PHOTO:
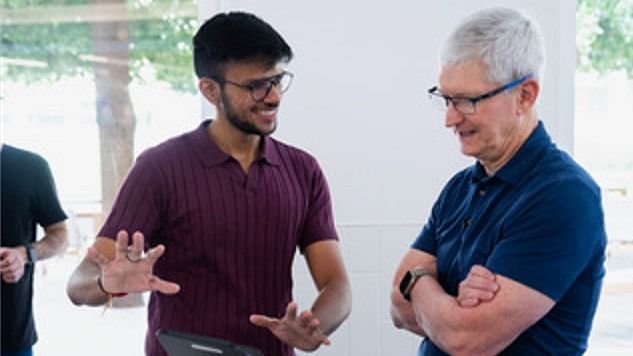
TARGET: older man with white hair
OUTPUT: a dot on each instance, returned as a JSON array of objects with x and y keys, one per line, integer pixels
[{"x": 511, "y": 258}]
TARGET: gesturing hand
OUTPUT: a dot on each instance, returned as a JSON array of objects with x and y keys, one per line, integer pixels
[
  {"x": 479, "y": 286},
  {"x": 129, "y": 271},
  {"x": 301, "y": 331}
]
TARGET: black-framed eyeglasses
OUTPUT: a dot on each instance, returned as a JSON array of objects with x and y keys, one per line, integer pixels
[
  {"x": 466, "y": 105},
  {"x": 260, "y": 88}
]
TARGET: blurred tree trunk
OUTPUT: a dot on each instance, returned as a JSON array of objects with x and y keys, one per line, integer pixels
[{"x": 115, "y": 114}]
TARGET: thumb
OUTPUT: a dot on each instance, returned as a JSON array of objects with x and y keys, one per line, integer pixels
[
  {"x": 469, "y": 302},
  {"x": 262, "y": 320}
]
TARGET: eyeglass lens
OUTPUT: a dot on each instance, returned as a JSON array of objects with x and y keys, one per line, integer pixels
[
  {"x": 261, "y": 88},
  {"x": 464, "y": 106}
]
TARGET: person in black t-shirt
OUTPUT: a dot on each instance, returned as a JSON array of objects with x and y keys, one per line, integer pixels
[{"x": 28, "y": 198}]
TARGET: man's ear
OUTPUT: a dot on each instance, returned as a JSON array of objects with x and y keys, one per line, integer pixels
[
  {"x": 528, "y": 92},
  {"x": 210, "y": 89}
]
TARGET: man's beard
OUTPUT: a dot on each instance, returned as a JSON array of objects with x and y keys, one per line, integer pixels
[{"x": 241, "y": 123}]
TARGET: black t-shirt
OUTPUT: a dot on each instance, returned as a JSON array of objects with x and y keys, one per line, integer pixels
[{"x": 28, "y": 198}]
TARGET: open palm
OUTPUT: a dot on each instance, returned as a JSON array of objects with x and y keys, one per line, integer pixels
[
  {"x": 130, "y": 271},
  {"x": 302, "y": 331}
]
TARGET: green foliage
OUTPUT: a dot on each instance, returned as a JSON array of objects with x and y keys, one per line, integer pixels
[
  {"x": 160, "y": 46},
  {"x": 605, "y": 35}
]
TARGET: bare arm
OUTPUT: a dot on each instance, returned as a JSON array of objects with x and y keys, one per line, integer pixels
[
  {"x": 82, "y": 287},
  {"x": 485, "y": 329},
  {"x": 12, "y": 259},
  {"x": 334, "y": 302},
  {"x": 308, "y": 330},
  {"x": 122, "y": 269},
  {"x": 54, "y": 241},
  {"x": 402, "y": 313}
]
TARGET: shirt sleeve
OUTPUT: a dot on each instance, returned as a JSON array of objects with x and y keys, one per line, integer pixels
[
  {"x": 48, "y": 209},
  {"x": 137, "y": 206},
  {"x": 319, "y": 222},
  {"x": 553, "y": 236},
  {"x": 427, "y": 239}
]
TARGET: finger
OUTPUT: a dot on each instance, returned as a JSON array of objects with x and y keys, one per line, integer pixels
[
  {"x": 97, "y": 257},
  {"x": 468, "y": 302},
  {"x": 163, "y": 286},
  {"x": 291, "y": 311},
  {"x": 14, "y": 267},
  {"x": 313, "y": 326},
  {"x": 477, "y": 287},
  {"x": 9, "y": 259},
  {"x": 314, "y": 323},
  {"x": 14, "y": 275},
  {"x": 482, "y": 271},
  {"x": 121, "y": 244},
  {"x": 136, "y": 249},
  {"x": 7, "y": 264},
  {"x": 154, "y": 254},
  {"x": 480, "y": 283},
  {"x": 306, "y": 317},
  {"x": 263, "y": 321},
  {"x": 480, "y": 295}
]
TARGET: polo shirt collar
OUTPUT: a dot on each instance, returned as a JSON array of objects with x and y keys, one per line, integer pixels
[
  {"x": 526, "y": 157},
  {"x": 211, "y": 155},
  {"x": 268, "y": 151}
]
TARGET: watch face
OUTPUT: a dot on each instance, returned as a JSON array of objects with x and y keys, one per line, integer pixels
[
  {"x": 409, "y": 279},
  {"x": 404, "y": 283}
]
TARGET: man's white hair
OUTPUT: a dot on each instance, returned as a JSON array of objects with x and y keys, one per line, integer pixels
[{"x": 506, "y": 41}]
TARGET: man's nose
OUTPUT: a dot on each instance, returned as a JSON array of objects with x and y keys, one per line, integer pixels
[
  {"x": 452, "y": 116},
  {"x": 273, "y": 96}
]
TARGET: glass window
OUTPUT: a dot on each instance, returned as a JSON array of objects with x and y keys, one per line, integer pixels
[
  {"x": 603, "y": 112},
  {"x": 89, "y": 85}
]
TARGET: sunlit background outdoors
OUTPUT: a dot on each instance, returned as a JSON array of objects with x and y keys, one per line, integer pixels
[{"x": 56, "y": 116}]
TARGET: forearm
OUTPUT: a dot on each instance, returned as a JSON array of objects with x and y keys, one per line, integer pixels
[
  {"x": 333, "y": 306},
  {"x": 402, "y": 314},
  {"x": 83, "y": 289},
  {"x": 54, "y": 241},
  {"x": 456, "y": 330}
]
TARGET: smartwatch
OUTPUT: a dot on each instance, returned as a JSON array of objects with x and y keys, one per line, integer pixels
[
  {"x": 409, "y": 279},
  {"x": 31, "y": 253}
]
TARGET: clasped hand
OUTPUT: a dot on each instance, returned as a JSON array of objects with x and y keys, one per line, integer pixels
[
  {"x": 130, "y": 271},
  {"x": 479, "y": 286},
  {"x": 11, "y": 264}
]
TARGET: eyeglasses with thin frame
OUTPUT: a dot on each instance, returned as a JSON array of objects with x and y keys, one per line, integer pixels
[
  {"x": 260, "y": 88},
  {"x": 468, "y": 105}
]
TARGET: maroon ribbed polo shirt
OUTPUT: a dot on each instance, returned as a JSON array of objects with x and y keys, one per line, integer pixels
[{"x": 230, "y": 237}]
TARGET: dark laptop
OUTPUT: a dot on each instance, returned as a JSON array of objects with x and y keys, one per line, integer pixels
[{"x": 183, "y": 344}]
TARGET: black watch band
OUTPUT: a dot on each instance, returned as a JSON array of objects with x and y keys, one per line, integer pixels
[{"x": 410, "y": 278}]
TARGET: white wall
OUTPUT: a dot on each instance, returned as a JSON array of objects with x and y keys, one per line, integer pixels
[{"x": 358, "y": 104}]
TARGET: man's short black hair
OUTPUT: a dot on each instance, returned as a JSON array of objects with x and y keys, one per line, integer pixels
[{"x": 238, "y": 37}]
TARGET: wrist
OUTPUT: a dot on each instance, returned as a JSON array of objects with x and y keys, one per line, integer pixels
[
  {"x": 23, "y": 253},
  {"x": 410, "y": 279},
  {"x": 31, "y": 253}
]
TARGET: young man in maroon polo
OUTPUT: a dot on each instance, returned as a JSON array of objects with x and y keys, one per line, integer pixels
[{"x": 221, "y": 210}]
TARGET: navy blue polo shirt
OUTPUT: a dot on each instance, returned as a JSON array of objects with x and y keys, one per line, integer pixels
[{"x": 537, "y": 221}]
